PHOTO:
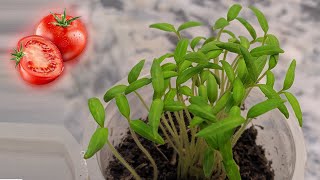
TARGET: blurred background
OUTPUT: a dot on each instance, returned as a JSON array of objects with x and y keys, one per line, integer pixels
[{"x": 119, "y": 37}]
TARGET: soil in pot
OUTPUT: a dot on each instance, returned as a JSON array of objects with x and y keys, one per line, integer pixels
[{"x": 249, "y": 156}]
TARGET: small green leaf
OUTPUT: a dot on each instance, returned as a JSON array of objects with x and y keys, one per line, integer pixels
[
  {"x": 266, "y": 50},
  {"x": 202, "y": 90},
  {"x": 213, "y": 66},
  {"x": 204, "y": 76},
  {"x": 137, "y": 85},
  {"x": 261, "y": 18},
  {"x": 210, "y": 46},
  {"x": 248, "y": 26},
  {"x": 184, "y": 65},
  {"x": 169, "y": 74},
  {"x": 145, "y": 131},
  {"x": 135, "y": 72},
  {"x": 222, "y": 102},
  {"x": 181, "y": 50},
  {"x": 272, "y": 40},
  {"x": 164, "y": 27},
  {"x": 155, "y": 115},
  {"x": 214, "y": 54},
  {"x": 233, "y": 12},
  {"x": 264, "y": 107},
  {"x": 173, "y": 106},
  {"x": 185, "y": 90},
  {"x": 198, "y": 100},
  {"x": 163, "y": 57},
  {"x": 210, "y": 39},
  {"x": 230, "y": 33},
  {"x": 244, "y": 42},
  {"x": 123, "y": 105},
  {"x": 97, "y": 111},
  {"x": 270, "y": 79},
  {"x": 195, "y": 41},
  {"x": 270, "y": 93},
  {"x": 188, "y": 74},
  {"x": 232, "y": 47},
  {"x": 112, "y": 92},
  {"x": 221, "y": 23},
  {"x": 295, "y": 106},
  {"x": 261, "y": 63},
  {"x": 222, "y": 126},
  {"x": 212, "y": 88},
  {"x": 273, "y": 61},
  {"x": 235, "y": 111},
  {"x": 97, "y": 141},
  {"x": 196, "y": 121},
  {"x": 202, "y": 112},
  {"x": 252, "y": 69},
  {"x": 229, "y": 164},
  {"x": 208, "y": 162},
  {"x": 170, "y": 95},
  {"x": 238, "y": 91},
  {"x": 288, "y": 81},
  {"x": 157, "y": 79},
  {"x": 169, "y": 67},
  {"x": 197, "y": 57},
  {"x": 229, "y": 70},
  {"x": 242, "y": 70},
  {"x": 189, "y": 24}
]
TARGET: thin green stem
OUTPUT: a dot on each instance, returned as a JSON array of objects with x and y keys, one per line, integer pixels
[
  {"x": 142, "y": 101},
  {"x": 238, "y": 134},
  {"x": 123, "y": 161}
]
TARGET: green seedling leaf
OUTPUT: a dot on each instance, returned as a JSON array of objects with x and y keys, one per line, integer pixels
[
  {"x": 123, "y": 105},
  {"x": 272, "y": 40},
  {"x": 295, "y": 106},
  {"x": 229, "y": 33},
  {"x": 188, "y": 74},
  {"x": 169, "y": 74},
  {"x": 170, "y": 95},
  {"x": 261, "y": 63},
  {"x": 270, "y": 79},
  {"x": 233, "y": 12},
  {"x": 244, "y": 42},
  {"x": 97, "y": 111},
  {"x": 164, "y": 27},
  {"x": 212, "y": 88},
  {"x": 173, "y": 106},
  {"x": 234, "y": 40},
  {"x": 242, "y": 70},
  {"x": 195, "y": 41},
  {"x": 197, "y": 57},
  {"x": 137, "y": 85},
  {"x": 222, "y": 126},
  {"x": 145, "y": 131},
  {"x": 230, "y": 165},
  {"x": 196, "y": 121},
  {"x": 288, "y": 81},
  {"x": 163, "y": 57},
  {"x": 189, "y": 24},
  {"x": 200, "y": 101},
  {"x": 266, "y": 50},
  {"x": 213, "y": 54},
  {"x": 238, "y": 91},
  {"x": 157, "y": 79},
  {"x": 202, "y": 112},
  {"x": 232, "y": 47},
  {"x": 222, "y": 102},
  {"x": 184, "y": 65},
  {"x": 270, "y": 93},
  {"x": 208, "y": 162},
  {"x": 169, "y": 67},
  {"x": 112, "y": 92},
  {"x": 202, "y": 90},
  {"x": 181, "y": 50},
  {"x": 196, "y": 80},
  {"x": 97, "y": 141},
  {"x": 204, "y": 76},
  {"x": 263, "y": 107},
  {"x": 220, "y": 23},
  {"x": 185, "y": 90},
  {"x": 210, "y": 39},
  {"x": 261, "y": 18},
  {"x": 251, "y": 67},
  {"x": 235, "y": 111},
  {"x": 217, "y": 77},
  {"x": 135, "y": 72},
  {"x": 155, "y": 115},
  {"x": 273, "y": 61},
  {"x": 210, "y": 46},
  {"x": 248, "y": 26},
  {"x": 229, "y": 70}
]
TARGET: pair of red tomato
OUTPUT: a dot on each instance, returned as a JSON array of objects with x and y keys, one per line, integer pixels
[{"x": 39, "y": 58}]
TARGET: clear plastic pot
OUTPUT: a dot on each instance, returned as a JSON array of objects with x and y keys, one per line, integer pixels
[{"x": 281, "y": 138}]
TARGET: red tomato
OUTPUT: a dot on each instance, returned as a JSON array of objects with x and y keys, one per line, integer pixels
[
  {"x": 38, "y": 60},
  {"x": 66, "y": 32}
]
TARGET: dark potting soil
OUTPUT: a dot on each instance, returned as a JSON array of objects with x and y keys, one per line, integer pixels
[{"x": 249, "y": 156}]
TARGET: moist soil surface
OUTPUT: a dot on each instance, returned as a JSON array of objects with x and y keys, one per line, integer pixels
[{"x": 249, "y": 156}]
